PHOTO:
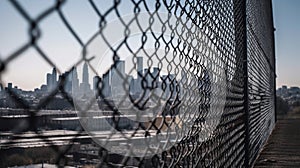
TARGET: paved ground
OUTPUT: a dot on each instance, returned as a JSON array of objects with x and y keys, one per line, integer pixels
[{"x": 283, "y": 147}]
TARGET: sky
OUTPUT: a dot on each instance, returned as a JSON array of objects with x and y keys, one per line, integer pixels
[
  {"x": 28, "y": 71},
  {"x": 287, "y": 40}
]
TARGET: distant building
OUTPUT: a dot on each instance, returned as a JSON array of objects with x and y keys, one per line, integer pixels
[
  {"x": 9, "y": 86},
  {"x": 291, "y": 95},
  {"x": 295, "y": 90},
  {"x": 138, "y": 82},
  {"x": 44, "y": 88},
  {"x": 85, "y": 88},
  {"x": 139, "y": 67},
  {"x": 51, "y": 80},
  {"x": 117, "y": 75},
  {"x": 54, "y": 77},
  {"x": 106, "y": 85},
  {"x": 75, "y": 80},
  {"x": 67, "y": 82},
  {"x": 96, "y": 85}
]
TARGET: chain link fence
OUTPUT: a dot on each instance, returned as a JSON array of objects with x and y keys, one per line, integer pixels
[{"x": 175, "y": 84}]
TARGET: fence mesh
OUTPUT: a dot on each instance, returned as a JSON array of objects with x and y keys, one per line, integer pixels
[{"x": 204, "y": 99}]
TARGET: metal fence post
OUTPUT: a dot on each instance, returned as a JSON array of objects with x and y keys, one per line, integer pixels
[
  {"x": 274, "y": 64},
  {"x": 240, "y": 18}
]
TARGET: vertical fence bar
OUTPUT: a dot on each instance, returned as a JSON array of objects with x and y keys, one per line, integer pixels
[
  {"x": 240, "y": 19},
  {"x": 274, "y": 62}
]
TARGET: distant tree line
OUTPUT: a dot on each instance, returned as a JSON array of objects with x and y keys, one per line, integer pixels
[{"x": 282, "y": 106}]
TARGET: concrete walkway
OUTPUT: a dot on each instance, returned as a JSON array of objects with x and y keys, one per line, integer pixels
[{"x": 283, "y": 147}]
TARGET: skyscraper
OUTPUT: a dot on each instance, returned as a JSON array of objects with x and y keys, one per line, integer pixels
[
  {"x": 139, "y": 64},
  {"x": 96, "y": 80},
  {"x": 68, "y": 82},
  {"x": 54, "y": 78},
  {"x": 75, "y": 80},
  {"x": 106, "y": 85},
  {"x": 49, "y": 82},
  {"x": 9, "y": 86},
  {"x": 138, "y": 82},
  {"x": 85, "y": 73},
  {"x": 85, "y": 86},
  {"x": 117, "y": 75}
]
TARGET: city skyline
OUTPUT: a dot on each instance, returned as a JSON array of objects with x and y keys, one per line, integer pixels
[
  {"x": 110, "y": 79},
  {"x": 54, "y": 35}
]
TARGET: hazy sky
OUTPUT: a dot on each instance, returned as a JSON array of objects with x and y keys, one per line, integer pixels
[
  {"x": 287, "y": 35},
  {"x": 28, "y": 71}
]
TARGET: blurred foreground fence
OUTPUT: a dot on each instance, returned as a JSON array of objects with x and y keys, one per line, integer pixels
[{"x": 217, "y": 91}]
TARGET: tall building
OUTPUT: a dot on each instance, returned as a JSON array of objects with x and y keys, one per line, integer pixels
[
  {"x": 75, "y": 80},
  {"x": 117, "y": 76},
  {"x": 9, "y": 86},
  {"x": 121, "y": 67},
  {"x": 85, "y": 87},
  {"x": 68, "y": 82},
  {"x": 132, "y": 89},
  {"x": 96, "y": 81},
  {"x": 139, "y": 64},
  {"x": 138, "y": 82},
  {"x": 106, "y": 85},
  {"x": 85, "y": 73},
  {"x": 49, "y": 82},
  {"x": 44, "y": 88},
  {"x": 54, "y": 77}
]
